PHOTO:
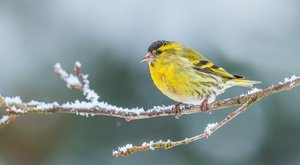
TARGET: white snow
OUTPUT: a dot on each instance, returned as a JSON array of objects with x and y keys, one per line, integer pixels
[
  {"x": 161, "y": 108},
  {"x": 34, "y": 102},
  {"x": 253, "y": 90},
  {"x": 292, "y": 78},
  {"x": 58, "y": 69},
  {"x": 12, "y": 100},
  {"x": 209, "y": 128},
  {"x": 91, "y": 95},
  {"x": 78, "y": 64},
  {"x": 123, "y": 149},
  {"x": 16, "y": 110},
  {"x": 85, "y": 114},
  {"x": 100, "y": 105},
  {"x": 289, "y": 79},
  {"x": 4, "y": 119},
  {"x": 72, "y": 80},
  {"x": 43, "y": 106},
  {"x": 84, "y": 105},
  {"x": 150, "y": 144}
]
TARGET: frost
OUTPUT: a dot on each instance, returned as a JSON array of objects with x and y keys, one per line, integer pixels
[
  {"x": 209, "y": 128},
  {"x": 288, "y": 80},
  {"x": 75, "y": 81},
  {"x": 72, "y": 80},
  {"x": 58, "y": 69},
  {"x": 293, "y": 78},
  {"x": 78, "y": 64},
  {"x": 33, "y": 102},
  {"x": 253, "y": 90},
  {"x": 89, "y": 94},
  {"x": 150, "y": 144},
  {"x": 94, "y": 106},
  {"x": 159, "y": 109},
  {"x": 84, "y": 105},
  {"x": 100, "y": 105},
  {"x": 12, "y": 100},
  {"x": 17, "y": 110},
  {"x": 4, "y": 119},
  {"x": 227, "y": 99},
  {"x": 123, "y": 149},
  {"x": 85, "y": 114},
  {"x": 43, "y": 106}
]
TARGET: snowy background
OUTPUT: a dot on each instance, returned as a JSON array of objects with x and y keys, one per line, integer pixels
[{"x": 255, "y": 38}]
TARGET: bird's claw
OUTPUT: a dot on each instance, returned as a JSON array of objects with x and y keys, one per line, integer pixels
[
  {"x": 176, "y": 110},
  {"x": 205, "y": 107}
]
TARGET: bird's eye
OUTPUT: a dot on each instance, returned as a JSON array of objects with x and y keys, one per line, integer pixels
[{"x": 158, "y": 52}]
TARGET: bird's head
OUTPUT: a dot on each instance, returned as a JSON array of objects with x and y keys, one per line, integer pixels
[{"x": 161, "y": 49}]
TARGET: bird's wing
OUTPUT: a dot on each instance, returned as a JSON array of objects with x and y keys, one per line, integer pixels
[{"x": 200, "y": 63}]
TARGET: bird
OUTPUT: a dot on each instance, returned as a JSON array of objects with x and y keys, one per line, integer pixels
[{"x": 186, "y": 76}]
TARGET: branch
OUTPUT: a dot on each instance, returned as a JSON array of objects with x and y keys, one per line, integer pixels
[
  {"x": 7, "y": 119},
  {"x": 78, "y": 81},
  {"x": 246, "y": 100},
  {"x": 105, "y": 109},
  {"x": 211, "y": 128}
]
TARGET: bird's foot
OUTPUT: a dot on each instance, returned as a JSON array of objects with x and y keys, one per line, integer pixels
[
  {"x": 176, "y": 110},
  {"x": 205, "y": 107}
]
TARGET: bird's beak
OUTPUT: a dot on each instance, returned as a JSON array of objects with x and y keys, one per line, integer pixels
[{"x": 147, "y": 58}]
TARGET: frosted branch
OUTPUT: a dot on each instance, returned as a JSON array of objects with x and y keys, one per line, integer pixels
[
  {"x": 210, "y": 128},
  {"x": 14, "y": 106},
  {"x": 79, "y": 81},
  {"x": 6, "y": 119}
]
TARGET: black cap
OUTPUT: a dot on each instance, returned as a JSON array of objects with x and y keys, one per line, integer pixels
[{"x": 157, "y": 44}]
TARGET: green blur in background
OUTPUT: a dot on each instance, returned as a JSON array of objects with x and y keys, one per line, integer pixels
[{"x": 255, "y": 38}]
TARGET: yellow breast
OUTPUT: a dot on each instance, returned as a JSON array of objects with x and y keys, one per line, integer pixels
[{"x": 173, "y": 79}]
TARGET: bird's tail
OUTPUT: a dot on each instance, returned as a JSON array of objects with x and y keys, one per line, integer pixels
[{"x": 241, "y": 82}]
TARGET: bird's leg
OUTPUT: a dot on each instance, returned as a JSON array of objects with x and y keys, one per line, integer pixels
[
  {"x": 176, "y": 110},
  {"x": 205, "y": 107}
]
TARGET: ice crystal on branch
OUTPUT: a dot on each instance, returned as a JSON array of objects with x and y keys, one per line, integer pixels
[
  {"x": 4, "y": 119},
  {"x": 209, "y": 128}
]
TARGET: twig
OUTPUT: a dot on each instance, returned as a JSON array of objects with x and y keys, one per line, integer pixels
[
  {"x": 79, "y": 81},
  {"x": 211, "y": 128},
  {"x": 7, "y": 119}
]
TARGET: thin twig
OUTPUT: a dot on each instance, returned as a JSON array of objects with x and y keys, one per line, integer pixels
[
  {"x": 130, "y": 149},
  {"x": 7, "y": 119}
]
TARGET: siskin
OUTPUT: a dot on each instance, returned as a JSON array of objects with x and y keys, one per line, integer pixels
[{"x": 186, "y": 76}]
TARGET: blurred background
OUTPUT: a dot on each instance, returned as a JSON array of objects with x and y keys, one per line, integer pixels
[{"x": 255, "y": 38}]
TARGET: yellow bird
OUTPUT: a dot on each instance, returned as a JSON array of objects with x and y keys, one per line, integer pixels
[{"x": 186, "y": 76}]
